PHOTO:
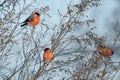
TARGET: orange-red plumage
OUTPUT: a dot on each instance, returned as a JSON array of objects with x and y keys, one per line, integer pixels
[
  {"x": 48, "y": 55},
  {"x": 105, "y": 51},
  {"x": 32, "y": 20}
]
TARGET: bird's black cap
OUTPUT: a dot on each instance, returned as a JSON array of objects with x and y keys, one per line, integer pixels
[
  {"x": 100, "y": 46},
  {"x": 46, "y": 49},
  {"x": 37, "y": 13}
]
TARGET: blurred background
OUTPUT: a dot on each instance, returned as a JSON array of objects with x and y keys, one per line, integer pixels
[{"x": 72, "y": 29}]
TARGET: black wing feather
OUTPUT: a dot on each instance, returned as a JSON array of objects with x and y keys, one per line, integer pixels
[{"x": 30, "y": 18}]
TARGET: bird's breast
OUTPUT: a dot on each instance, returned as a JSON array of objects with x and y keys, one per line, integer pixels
[{"x": 35, "y": 21}]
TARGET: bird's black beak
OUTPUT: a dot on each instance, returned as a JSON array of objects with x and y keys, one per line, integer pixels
[{"x": 112, "y": 52}]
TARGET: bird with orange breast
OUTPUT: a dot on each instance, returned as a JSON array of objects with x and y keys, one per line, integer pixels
[
  {"x": 48, "y": 56},
  {"x": 32, "y": 20},
  {"x": 105, "y": 51}
]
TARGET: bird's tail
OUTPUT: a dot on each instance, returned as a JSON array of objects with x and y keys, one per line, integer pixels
[{"x": 23, "y": 24}]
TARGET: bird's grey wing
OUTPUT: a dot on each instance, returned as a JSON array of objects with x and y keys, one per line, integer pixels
[{"x": 31, "y": 17}]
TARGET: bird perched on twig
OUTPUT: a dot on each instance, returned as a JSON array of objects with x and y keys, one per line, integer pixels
[
  {"x": 32, "y": 20},
  {"x": 48, "y": 55},
  {"x": 105, "y": 51}
]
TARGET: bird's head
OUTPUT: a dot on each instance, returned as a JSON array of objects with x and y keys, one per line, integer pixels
[
  {"x": 37, "y": 13},
  {"x": 100, "y": 46},
  {"x": 46, "y": 49}
]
